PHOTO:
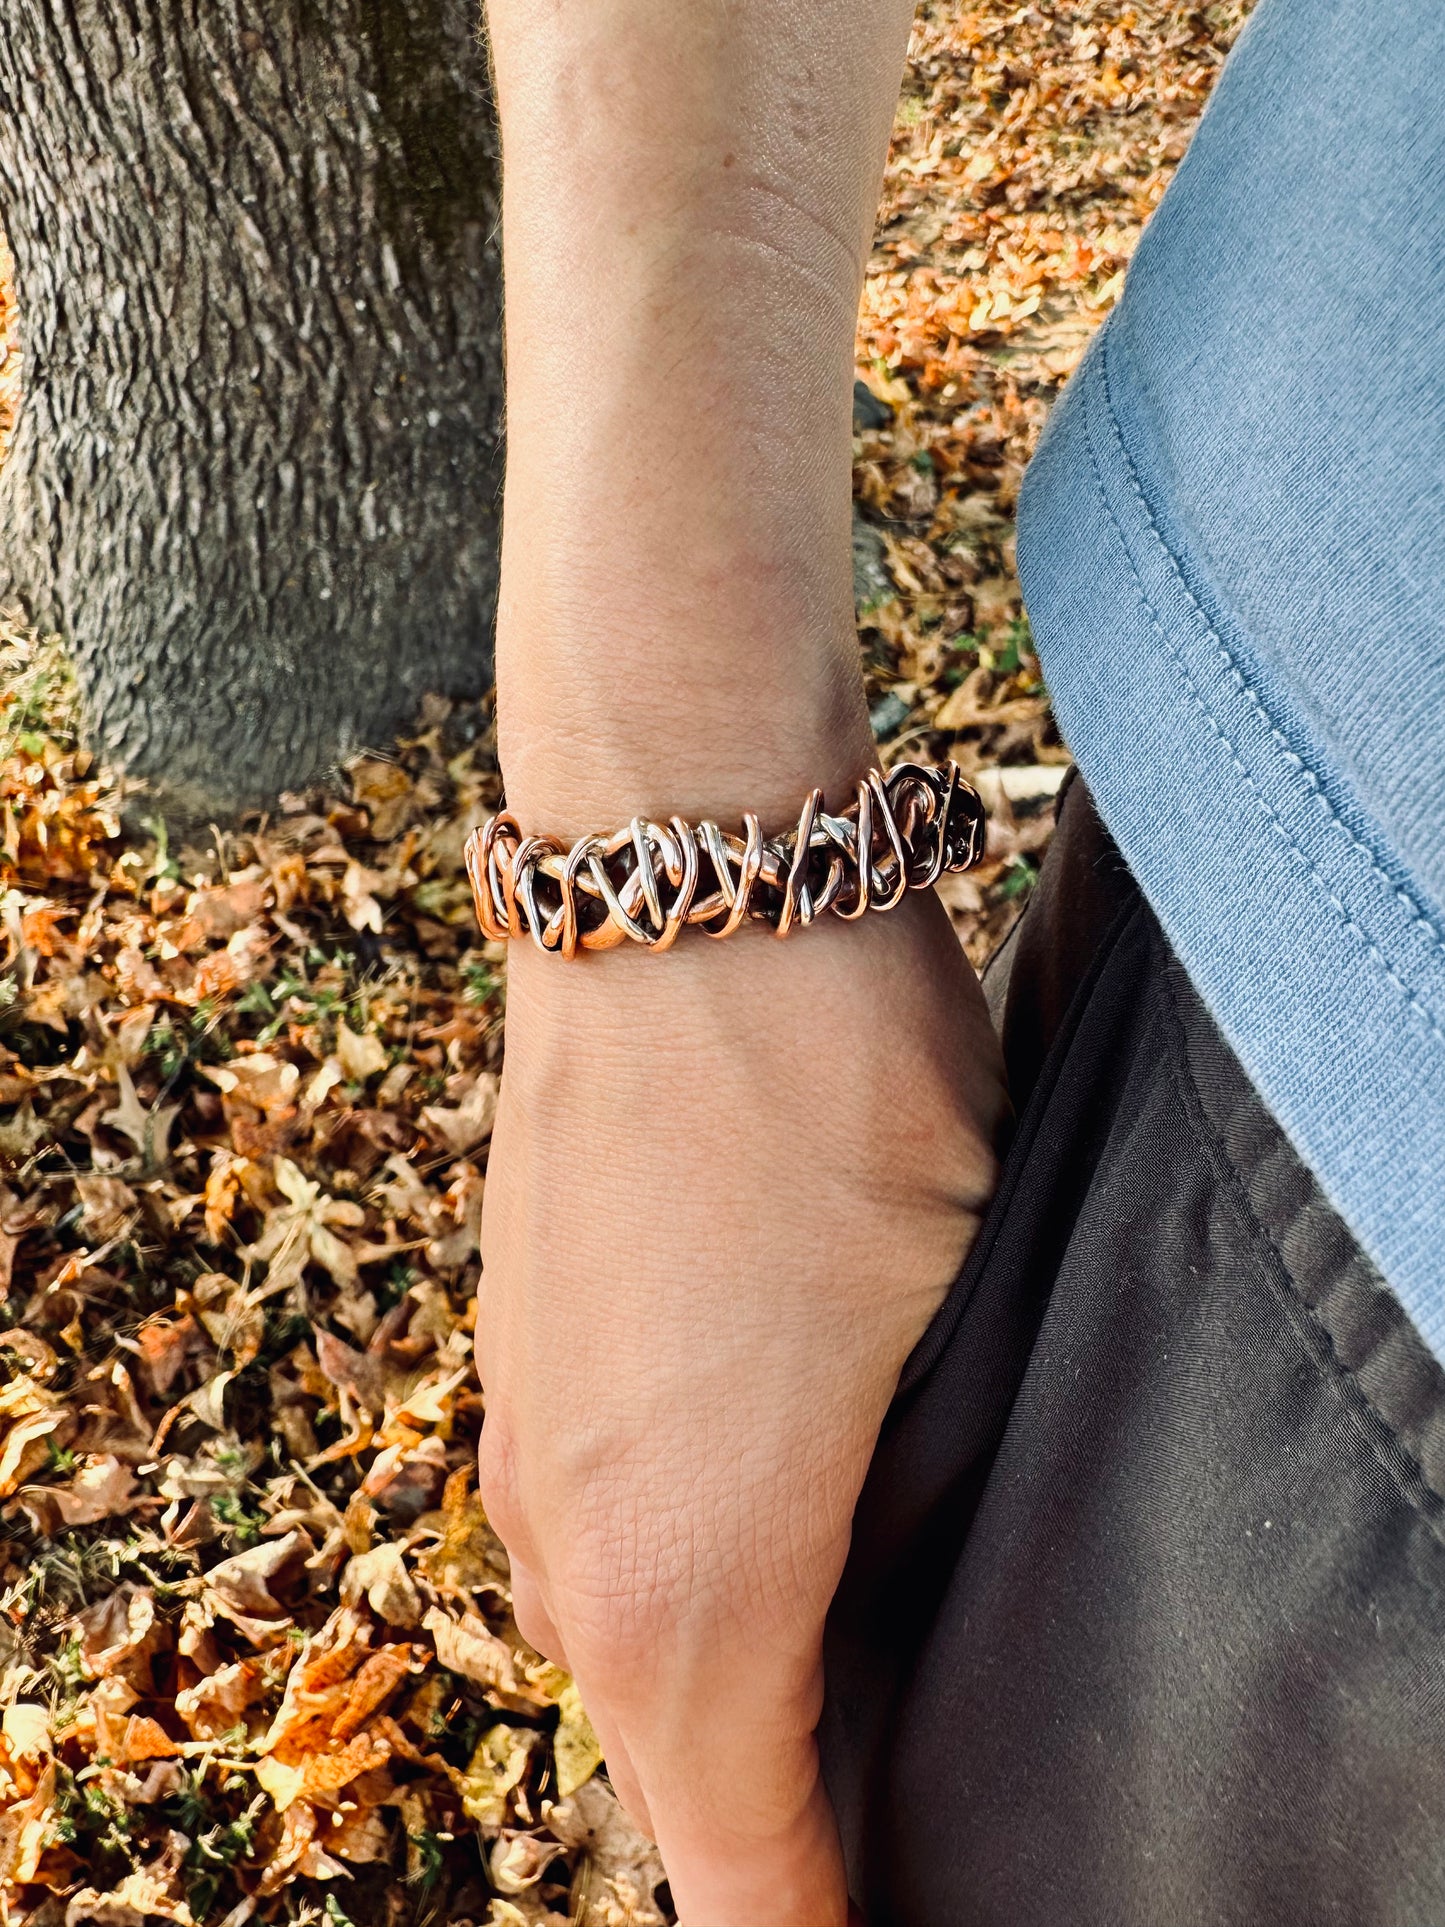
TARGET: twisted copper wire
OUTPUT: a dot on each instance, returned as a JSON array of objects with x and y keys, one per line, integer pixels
[{"x": 650, "y": 881}]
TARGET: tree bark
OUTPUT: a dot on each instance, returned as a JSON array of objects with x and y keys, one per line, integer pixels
[{"x": 256, "y": 477}]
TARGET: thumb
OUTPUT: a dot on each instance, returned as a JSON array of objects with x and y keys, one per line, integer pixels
[{"x": 739, "y": 1809}]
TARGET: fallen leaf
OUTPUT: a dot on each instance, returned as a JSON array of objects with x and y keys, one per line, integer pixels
[
  {"x": 233, "y": 1318},
  {"x": 22, "y": 1134},
  {"x": 141, "y": 1898},
  {"x": 117, "y": 1635},
  {"x": 361, "y": 1057},
  {"x": 467, "y": 1556},
  {"x": 145, "y": 1739},
  {"x": 496, "y": 1769},
  {"x": 518, "y": 1861},
  {"x": 461, "y": 1127},
  {"x": 26, "y": 1731},
  {"x": 148, "y": 1131},
  {"x": 363, "y": 1836},
  {"x": 108, "y": 1206},
  {"x": 101, "y": 1489},
  {"x": 300, "y": 1231},
  {"x": 468, "y": 1646},
  {"x": 574, "y": 1745},
  {"x": 238, "y": 1589},
  {"x": 359, "y": 904},
  {"x": 381, "y": 1578},
  {"x": 29, "y": 1415},
  {"x": 617, "y": 1855},
  {"x": 370, "y": 1689},
  {"x": 218, "y": 1703}
]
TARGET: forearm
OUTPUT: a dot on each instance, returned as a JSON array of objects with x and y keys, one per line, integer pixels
[{"x": 688, "y": 196}]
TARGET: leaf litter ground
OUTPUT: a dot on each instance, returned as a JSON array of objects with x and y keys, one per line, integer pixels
[{"x": 258, "y": 1656}]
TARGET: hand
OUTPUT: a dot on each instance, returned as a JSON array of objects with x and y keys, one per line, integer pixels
[{"x": 728, "y": 1188}]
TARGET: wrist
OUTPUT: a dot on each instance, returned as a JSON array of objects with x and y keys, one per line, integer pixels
[
  {"x": 675, "y": 624},
  {"x": 675, "y": 628},
  {"x": 624, "y": 732}
]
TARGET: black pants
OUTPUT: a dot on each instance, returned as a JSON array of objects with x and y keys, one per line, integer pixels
[{"x": 1144, "y": 1623}]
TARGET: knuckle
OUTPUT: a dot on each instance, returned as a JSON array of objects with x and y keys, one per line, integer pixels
[
  {"x": 499, "y": 1485},
  {"x": 534, "y": 1625},
  {"x": 623, "y": 1609}
]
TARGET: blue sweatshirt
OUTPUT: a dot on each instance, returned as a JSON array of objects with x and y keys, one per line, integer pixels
[{"x": 1232, "y": 546}]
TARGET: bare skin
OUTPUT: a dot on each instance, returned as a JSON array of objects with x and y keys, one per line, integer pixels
[{"x": 729, "y": 1186}]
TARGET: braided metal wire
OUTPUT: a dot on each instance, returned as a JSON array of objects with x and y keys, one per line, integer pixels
[{"x": 647, "y": 883}]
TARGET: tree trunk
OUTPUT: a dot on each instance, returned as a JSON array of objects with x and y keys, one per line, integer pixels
[{"x": 256, "y": 480}]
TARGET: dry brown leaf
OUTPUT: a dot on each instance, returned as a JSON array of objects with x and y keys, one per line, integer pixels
[
  {"x": 148, "y": 1131},
  {"x": 108, "y": 1206},
  {"x": 29, "y": 1415},
  {"x": 518, "y": 1861},
  {"x": 140, "y": 1899},
  {"x": 386, "y": 790},
  {"x": 219, "y": 1702},
  {"x": 32, "y": 1352},
  {"x": 574, "y": 1745},
  {"x": 238, "y": 1589},
  {"x": 100, "y": 1716},
  {"x": 459, "y": 1245},
  {"x": 223, "y": 1188},
  {"x": 165, "y": 1346},
  {"x": 298, "y": 1832},
  {"x": 22, "y": 1134},
  {"x": 525, "y": 1911},
  {"x": 467, "y": 1556},
  {"x": 101, "y": 1488},
  {"x": 361, "y": 1057},
  {"x": 375, "y": 1682},
  {"x": 25, "y": 1729},
  {"x": 381, "y": 1578},
  {"x": 300, "y": 1232},
  {"x": 362, "y": 1836},
  {"x": 620, "y": 1871},
  {"x": 145, "y": 1739},
  {"x": 496, "y": 1769},
  {"x": 117, "y": 1635},
  {"x": 25, "y": 1830},
  {"x": 325, "y": 1774},
  {"x": 468, "y": 1646},
  {"x": 460, "y": 1128},
  {"x": 316, "y": 1687},
  {"x": 233, "y": 1318}
]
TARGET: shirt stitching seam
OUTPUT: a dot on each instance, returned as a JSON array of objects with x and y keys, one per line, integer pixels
[
  {"x": 1347, "y": 922},
  {"x": 1414, "y": 910}
]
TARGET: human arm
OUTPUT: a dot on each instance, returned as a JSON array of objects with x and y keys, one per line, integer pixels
[{"x": 730, "y": 1185}]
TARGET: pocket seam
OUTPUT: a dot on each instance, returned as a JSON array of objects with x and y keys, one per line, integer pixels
[{"x": 1394, "y": 1454}]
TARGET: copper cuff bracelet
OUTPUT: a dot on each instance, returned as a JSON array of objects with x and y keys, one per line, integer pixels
[{"x": 649, "y": 881}]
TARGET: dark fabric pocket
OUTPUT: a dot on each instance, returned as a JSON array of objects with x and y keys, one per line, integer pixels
[
  {"x": 1144, "y": 1620},
  {"x": 957, "y": 1388}
]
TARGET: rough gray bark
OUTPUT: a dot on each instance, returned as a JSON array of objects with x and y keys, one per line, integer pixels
[{"x": 256, "y": 481}]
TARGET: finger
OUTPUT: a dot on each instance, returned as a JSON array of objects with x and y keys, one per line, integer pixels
[
  {"x": 791, "y": 1877},
  {"x": 533, "y": 1617},
  {"x": 729, "y": 1768},
  {"x": 537, "y": 1627},
  {"x": 620, "y": 1771}
]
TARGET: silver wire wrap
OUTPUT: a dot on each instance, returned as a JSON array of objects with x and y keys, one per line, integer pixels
[{"x": 650, "y": 881}]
